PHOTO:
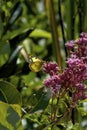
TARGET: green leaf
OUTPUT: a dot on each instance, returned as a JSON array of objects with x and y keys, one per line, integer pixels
[
  {"x": 2, "y": 98},
  {"x": 19, "y": 32},
  {"x": 28, "y": 78},
  {"x": 8, "y": 68},
  {"x": 4, "y": 48},
  {"x": 82, "y": 111},
  {"x": 43, "y": 101},
  {"x": 10, "y": 93},
  {"x": 76, "y": 127},
  {"x": 38, "y": 33},
  {"x": 15, "y": 14},
  {"x": 14, "y": 54},
  {"x": 69, "y": 125},
  {"x": 10, "y": 117}
]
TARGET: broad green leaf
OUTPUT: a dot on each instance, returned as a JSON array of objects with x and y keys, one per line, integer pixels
[
  {"x": 3, "y": 59},
  {"x": 10, "y": 93},
  {"x": 17, "y": 108},
  {"x": 38, "y": 33},
  {"x": 21, "y": 31},
  {"x": 14, "y": 15},
  {"x": 42, "y": 101},
  {"x": 34, "y": 99},
  {"x": 4, "y": 48},
  {"x": 8, "y": 68},
  {"x": 10, "y": 117},
  {"x": 2, "y": 98},
  {"x": 14, "y": 54},
  {"x": 16, "y": 12}
]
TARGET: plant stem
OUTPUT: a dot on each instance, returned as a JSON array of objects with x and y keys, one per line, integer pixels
[
  {"x": 56, "y": 108},
  {"x": 70, "y": 19},
  {"x": 52, "y": 113},
  {"x": 55, "y": 34},
  {"x": 62, "y": 25},
  {"x": 80, "y": 15},
  {"x": 65, "y": 114}
]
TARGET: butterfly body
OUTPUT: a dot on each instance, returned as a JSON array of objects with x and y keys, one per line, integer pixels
[{"x": 35, "y": 63}]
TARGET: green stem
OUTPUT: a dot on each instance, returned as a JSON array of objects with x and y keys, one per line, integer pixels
[
  {"x": 80, "y": 12},
  {"x": 57, "y": 122},
  {"x": 62, "y": 25},
  {"x": 70, "y": 18},
  {"x": 56, "y": 108},
  {"x": 55, "y": 33},
  {"x": 52, "y": 113}
]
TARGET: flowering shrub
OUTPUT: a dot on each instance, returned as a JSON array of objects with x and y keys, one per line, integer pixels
[
  {"x": 71, "y": 80},
  {"x": 29, "y": 31}
]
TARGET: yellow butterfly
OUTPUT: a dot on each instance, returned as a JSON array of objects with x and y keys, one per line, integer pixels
[{"x": 35, "y": 64}]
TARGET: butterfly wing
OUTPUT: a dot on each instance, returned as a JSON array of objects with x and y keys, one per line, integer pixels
[{"x": 35, "y": 64}]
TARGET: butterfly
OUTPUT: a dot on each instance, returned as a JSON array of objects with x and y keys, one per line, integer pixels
[{"x": 35, "y": 63}]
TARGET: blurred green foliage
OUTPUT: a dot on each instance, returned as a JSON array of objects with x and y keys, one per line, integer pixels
[{"x": 28, "y": 24}]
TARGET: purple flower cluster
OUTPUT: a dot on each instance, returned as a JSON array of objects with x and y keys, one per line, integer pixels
[
  {"x": 80, "y": 92},
  {"x": 70, "y": 45},
  {"x": 54, "y": 81},
  {"x": 77, "y": 67},
  {"x": 51, "y": 68},
  {"x": 75, "y": 74},
  {"x": 79, "y": 46}
]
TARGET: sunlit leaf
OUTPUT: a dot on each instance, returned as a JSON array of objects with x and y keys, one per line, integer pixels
[
  {"x": 10, "y": 117},
  {"x": 38, "y": 33},
  {"x": 82, "y": 111}
]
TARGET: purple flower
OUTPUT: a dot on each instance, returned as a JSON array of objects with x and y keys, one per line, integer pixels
[
  {"x": 53, "y": 83},
  {"x": 84, "y": 60},
  {"x": 82, "y": 41},
  {"x": 51, "y": 68},
  {"x": 70, "y": 45},
  {"x": 74, "y": 75},
  {"x": 80, "y": 93},
  {"x": 83, "y": 35},
  {"x": 73, "y": 62}
]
